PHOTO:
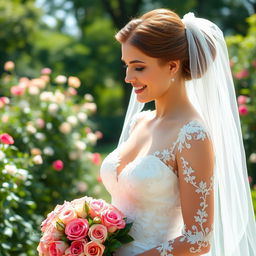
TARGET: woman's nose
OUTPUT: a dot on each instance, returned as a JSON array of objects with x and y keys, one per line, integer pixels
[{"x": 129, "y": 78}]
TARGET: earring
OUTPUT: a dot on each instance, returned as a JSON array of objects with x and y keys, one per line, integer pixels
[{"x": 172, "y": 80}]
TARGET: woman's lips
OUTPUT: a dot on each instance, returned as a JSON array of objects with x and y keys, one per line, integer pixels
[{"x": 139, "y": 89}]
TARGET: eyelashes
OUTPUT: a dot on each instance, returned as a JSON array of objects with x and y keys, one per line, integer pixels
[{"x": 136, "y": 69}]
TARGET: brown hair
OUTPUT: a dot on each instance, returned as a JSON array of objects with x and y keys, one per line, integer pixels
[{"x": 160, "y": 34}]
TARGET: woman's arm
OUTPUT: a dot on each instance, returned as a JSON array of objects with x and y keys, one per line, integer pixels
[{"x": 195, "y": 161}]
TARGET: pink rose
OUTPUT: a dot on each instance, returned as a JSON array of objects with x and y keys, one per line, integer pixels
[
  {"x": 76, "y": 248},
  {"x": 94, "y": 249},
  {"x": 97, "y": 206},
  {"x": 48, "y": 221},
  {"x": 51, "y": 234},
  {"x": 68, "y": 213},
  {"x": 98, "y": 233},
  {"x": 6, "y": 138},
  {"x": 79, "y": 205},
  {"x": 242, "y": 74},
  {"x": 242, "y": 99},
  {"x": 42, "y": 248},
  {"x": 74, "y": 82},
  {"x": 96, "y": 158},
  {"x": 17, "y": 90},
  {"x": 58, "y": 165},
  {"x": 243, "y": 110},
  {"x": 57, "y": 248},
  {"x": 113, "y": 219},
  {"x": 46, "y": 71},
  {"x": 77, "y": 229},
  {"x": 9, "y": 65}
]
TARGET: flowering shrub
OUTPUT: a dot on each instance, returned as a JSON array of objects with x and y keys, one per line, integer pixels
[
  {"x": 242, "y": 50},
  {"x": 50, "y": 122},
  {"x": 18, "y": 220}
]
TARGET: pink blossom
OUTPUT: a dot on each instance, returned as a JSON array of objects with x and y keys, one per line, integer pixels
[
  {"x": 94, "y": 249},
  {"x": 58, "y": 165},
  {"x": 242, "y": 74},
  {"x": 46, "y": 71},
  {"x": 40, "y": 123},
  {"x": 97, "y": 206},
  {"x": 6, "y": 138},
  {"x": 242, "y": 99},
  {"x": 99, "y": 135},
  {"x": 68, "y": 213},
  {"x": 57, "y": 248},
  {"x": 9, "y": 65},
  {"x": 98, "y": 233},
  {"x": 17, "y": 90},
  {"x": 42, "y": 248},
  {"x": 96, "y": 158},
  {"x": 74, "y": 82},
  {"x": 77, "y": 229},
  {"x": 113, "y": 219},
  {"x": 231, "y": 63},
  {"x": 76, "y": 248},
  {"x": 5, "y": 100},
  {"x": 250, "y": 179},
  {"x": 243, "y": 110}
]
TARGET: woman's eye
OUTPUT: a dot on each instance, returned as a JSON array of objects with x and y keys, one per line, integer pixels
[{"x": 139, "y": 69}]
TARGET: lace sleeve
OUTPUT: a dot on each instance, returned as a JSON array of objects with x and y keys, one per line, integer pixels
[{"x": 195, "y": 160}]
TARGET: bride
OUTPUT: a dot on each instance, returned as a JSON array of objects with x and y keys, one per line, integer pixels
[{"x": 179, "y": 171}]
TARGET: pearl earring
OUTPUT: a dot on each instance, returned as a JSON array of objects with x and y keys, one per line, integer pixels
[{"x": 172, "y": 80}]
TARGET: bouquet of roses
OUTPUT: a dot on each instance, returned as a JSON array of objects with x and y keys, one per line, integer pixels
[{"x": 84, "y": 227}]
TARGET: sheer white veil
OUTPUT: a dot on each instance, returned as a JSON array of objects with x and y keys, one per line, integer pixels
[{"x": 212, "y": 93}]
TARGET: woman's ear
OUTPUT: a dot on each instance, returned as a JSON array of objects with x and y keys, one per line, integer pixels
[{"x": 174, "y": 66}]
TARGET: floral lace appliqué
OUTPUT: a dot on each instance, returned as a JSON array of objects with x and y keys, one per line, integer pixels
[{"x": 199, "y": 236}]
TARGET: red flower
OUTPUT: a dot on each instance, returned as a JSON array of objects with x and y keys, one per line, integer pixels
[
  {"x": 6, "y": 138},
  {"x": 243, "y": 110},
  {"x": 242, "y": 74},
  {"x": 96, "y": 158},
  {"x": 58, "y": 165}
]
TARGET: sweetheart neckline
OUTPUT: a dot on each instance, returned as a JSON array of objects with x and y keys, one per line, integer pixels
[
  {"x": 171, "y": 150},
  {"x": 135, "y": 160}
]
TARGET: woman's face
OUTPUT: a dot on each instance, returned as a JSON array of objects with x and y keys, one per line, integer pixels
[{"x": 149, "y": 79}]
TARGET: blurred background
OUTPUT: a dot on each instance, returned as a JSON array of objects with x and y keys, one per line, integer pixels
[{"x": 63, "y": 98}]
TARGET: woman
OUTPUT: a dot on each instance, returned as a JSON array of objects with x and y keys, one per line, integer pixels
[{"x": 179, "y": 171}]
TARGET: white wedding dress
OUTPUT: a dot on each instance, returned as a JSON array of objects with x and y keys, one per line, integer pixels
[{"x": 147, "y": 192}]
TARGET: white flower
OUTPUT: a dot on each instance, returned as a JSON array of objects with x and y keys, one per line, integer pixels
[
  {"x": 82, "y": 186},
  {"x": 33, "y": 90},
  {"x": 22, "y": 174},
  {"x": 38, "y": 159},
  {"x": 2, "y": 155},
  {"x": 38, "y": 83},
  {"x": 46, "y": 96},
  {"x": 31, "y": 129},
  {"x": 88, "y": 97},
  {"x": 72, "y": 120},
  {"x": 26, "y": 110},
  {"x": 11, "y": 169},
  {"x": 80, "y": 145},
  {"x": 60, "y": 79},
  {"x": 82, "y": 116},
  {"x": 73, "y": 155},
  {"x": 40, "y": 136},
  {"x": 5, "y": 118},
  {"x": 48, "y": 151},
  {"x": 252, "y": 158},
  {"x": 59, "y": 97},
  {"x": 53, "y": 108},
  {"x": 65, "y": 128},
  {"x": 91, "y": 137},
  {"x": 90, "y": 106}
]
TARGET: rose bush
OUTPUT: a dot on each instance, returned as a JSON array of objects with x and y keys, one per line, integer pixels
[
  {"x": 18, "y": 220},
  {"x": 242, "y": 50},
  {"x": 51, "y": 122}
]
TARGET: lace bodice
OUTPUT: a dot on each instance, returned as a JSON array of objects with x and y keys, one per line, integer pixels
[{"x": 170, "y": 207}]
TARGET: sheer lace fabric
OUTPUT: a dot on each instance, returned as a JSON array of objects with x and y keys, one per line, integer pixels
[{"x": 170, "y": 210}]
